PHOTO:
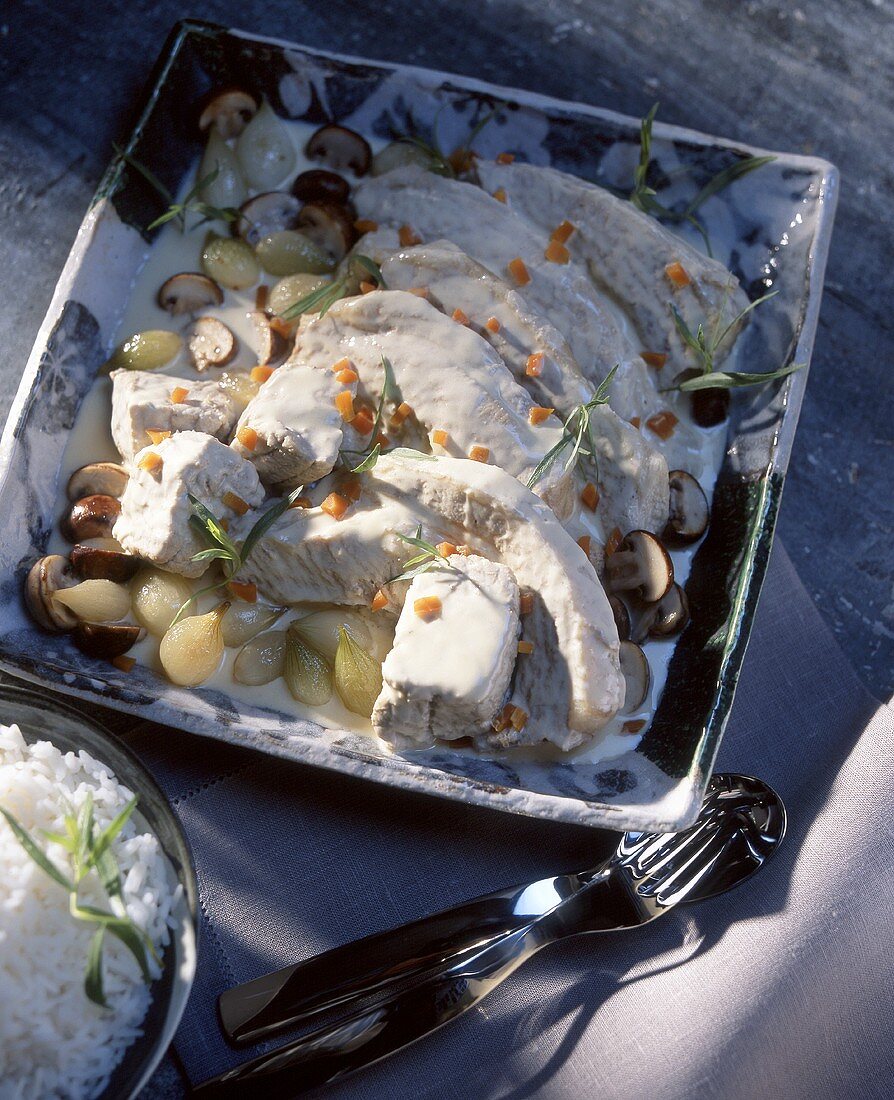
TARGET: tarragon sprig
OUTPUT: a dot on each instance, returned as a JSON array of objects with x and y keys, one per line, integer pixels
[
  {"x": 704, "y": 348},
  {"x": 390, "y": 392},
  {"x": 643, "y": 197},
  {"x": 222, "y": 548},
  {"x": 324, "y": 297},
  {"x": 575, "y": 431},
  {"x": 191, "y": 203},
  {"x": 439, "y": 162},
  {"x": 89, "y": 851},
  {"x": 430, "y": 557}
]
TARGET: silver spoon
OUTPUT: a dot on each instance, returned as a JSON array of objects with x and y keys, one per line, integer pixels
[{"x": 428, "y": 972}]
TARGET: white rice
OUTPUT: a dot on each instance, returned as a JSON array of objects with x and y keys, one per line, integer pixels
[{"x": 54, "y": 1042}]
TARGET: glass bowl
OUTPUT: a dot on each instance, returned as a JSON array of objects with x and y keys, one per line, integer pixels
[{"x": 42, "y": 717}]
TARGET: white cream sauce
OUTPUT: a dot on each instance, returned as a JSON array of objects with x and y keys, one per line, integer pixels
[{"x": 90, "y": 441}]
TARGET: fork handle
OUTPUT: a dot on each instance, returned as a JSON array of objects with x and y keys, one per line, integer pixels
[
  {"x": 373, "y": 1033},
  {"x": 374, "y": 964}
]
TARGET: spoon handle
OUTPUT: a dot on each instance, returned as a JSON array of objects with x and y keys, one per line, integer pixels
[{"x": 376, "y": 963}]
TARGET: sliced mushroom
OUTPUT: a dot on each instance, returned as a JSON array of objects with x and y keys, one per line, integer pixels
[
  {"x": 103, "y": 478},
  {"x": 318, "y": 185},
  {"x": 622, "y": 617},
  {"x": 271, "y": 345},
  {"x": 270, "y": 212},
  {"x": 228, "y": 110},
  {"x": 91, "y": 517},
  {"x": 689, "y": 512},
  {"x": 641, "y": 565},
  {"x": 340, "y": 148},
  {"x": 662, "y": 619},
  {"x": 709, "y": 407},
  {"x": 637, "y": 677},
  {"x": 210, "y": 343},
  {"x": 96, "y": 563},
  {"x": 189, "y": 292},
  {"x": 106, "y": 640},
  {"x": 329, "y": 226},
  {"x": 46, "y": 577}
]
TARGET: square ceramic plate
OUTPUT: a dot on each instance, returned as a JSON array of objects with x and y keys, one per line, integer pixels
[{"x": 772, "y": 228}]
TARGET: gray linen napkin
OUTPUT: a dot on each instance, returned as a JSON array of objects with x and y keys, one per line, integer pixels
[{"x": 783, "y": 987}]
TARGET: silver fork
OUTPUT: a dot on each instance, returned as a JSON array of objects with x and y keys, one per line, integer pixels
[{"x": 426, "y": 973}]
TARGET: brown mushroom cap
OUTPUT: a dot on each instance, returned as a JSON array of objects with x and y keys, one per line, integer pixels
[
  {"x": 340, "y": 148},
  {"x": 329, "y": 226},
  {"x": 270, "y": 212},
  {"x": 642, "y": 565},
  {"x": 228, "y": 110},
  {"x": 47, "y": 576},
  {"x": 91, "y": 517},
  {"x": 105, "y": 478},
  {"x": 637, "y": 676},
  {"x": 621, "y": 615},
  {"x": 662, "y": 619},
  {"x": 188, "y": 292},
  {"x": 97, "y": 563},
  {"x": 318, "y": 185},
  {"x": 689, "y": 512},
  {"x": 271, "y": 344},
  {"x": 709, "y": 407},
  {"x": 106, "y": 640},
  {"x": 210, "y": 343}
]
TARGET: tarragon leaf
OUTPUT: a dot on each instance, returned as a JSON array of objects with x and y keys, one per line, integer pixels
[
  {"x": 266, "y": 521},
  {"x": 728, "y": 380},
  {"x": 724, "y": 178},
  {"x": 103, "y": 842},
  {"x": 208, "y": 525},
  {"x": 323, "y": 296},
  {"x": 43, "y": 862},
  {"x": 369, "y": 462},
  {"x": 93, "y": 976},
  {"x": 372, "y": 268}
]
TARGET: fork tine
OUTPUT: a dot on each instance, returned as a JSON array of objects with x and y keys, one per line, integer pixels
[
  {"x": 704, "y": 859},
  {"x": 668, "y": 850}
]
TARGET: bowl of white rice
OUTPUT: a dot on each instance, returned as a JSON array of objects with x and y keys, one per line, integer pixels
[{"x": 94, "y": 980}]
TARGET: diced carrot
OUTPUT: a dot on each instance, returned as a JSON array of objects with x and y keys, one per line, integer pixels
[
  {"x": 635, "y": 421},
  {"x": 261, "y": 373},
  {"x": 379, "y": 601},
  {"x": 419, "y": 291},
  {"x": 343, "y": 364},
  {"x": 281, "y": 327},
  {"x": 446, "y": 549},
  {"x": 179, "y": 395},
  {"x": 613, "y": 541},
  {"x": 367, "y": 288},
  {"x": 654, "y": 359},
  {"x": 538, "y": 413},
  {"x": 505, "y": 158},
  {"x": 534, "y": 364},
  {"x": 408, "y": 236},
  {"x": 633, "y": 726},
  {"x": 244, "y": 590},
  {"x": 492, "y": 324},
  {"x": 525, "y": 647},
  {"x": 124, "y": 662},
  {"x": 235, "y": 503},
  {"x": 225, "y": 524},
  {"x": 663, "y": 423},
  {"x": 584, "y": 543},
  {"x": 261, "y": 295},
  {"x": 557, "y": 253},
  {"x": 439, "y": 437},
  {"x": 590, "y": 496},
  {"x": 518, "y": 271},
  {"x": 562, "y": 232},
  {"x": 518, "y": 719},
  {"x": 347, "y": 376},
  {"x": 363, "y": 423},
  {"x": 157, "y": 437},
  {"x": 350, "y": 488},
  {"x": 381, "y": 439},
  {"x": 427, "y": 607},
  {"x": 460, "y": 316},
  {"x": 677, "y": 274},
  {"x": 501, "y": 722},
  {"x": 400, "y": 414},
  {"x": 466, "y": 551},
  {"x": 500, "y": 194},
  {"x": 344, "y": 402},
  {"x": 526, "y": 603},
  {"x": 301, "y": 502},
  {"x": 462, "y": 159},
  {"x": 248, "y": 437},
  {"x": 150, "y": 462},
  {"x": 335, "y": 505},
  {"x": 478, "y": 453},
  {"x": 365, "y": 225}
]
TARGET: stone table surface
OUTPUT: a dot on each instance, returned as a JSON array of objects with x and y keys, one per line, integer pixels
[{"x": 811, "y": 77}]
